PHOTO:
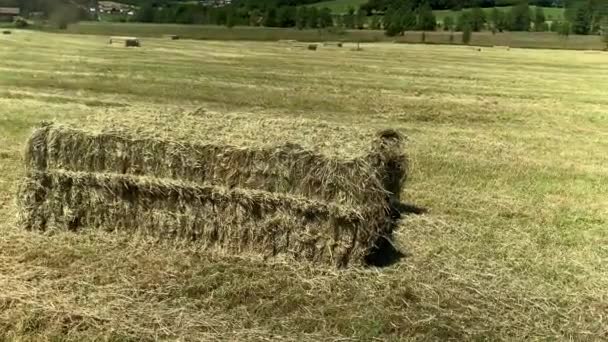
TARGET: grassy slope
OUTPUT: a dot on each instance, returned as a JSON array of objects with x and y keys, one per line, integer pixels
[
  {"x": 339, "y": 6},
  {"x": 509, "y": 152}
]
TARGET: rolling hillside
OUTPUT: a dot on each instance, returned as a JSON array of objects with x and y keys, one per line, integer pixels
[{"x": 551, "y": 13}]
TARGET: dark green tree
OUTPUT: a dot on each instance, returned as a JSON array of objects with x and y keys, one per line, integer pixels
[
  {"x": 361, "y": 19},
  {"x": 325, "y": 18},
  {"x": 63, "y": 15},
  {"x": 408, "y": 18},
  {"x": 605, "y": 37},
  {"x": 540, "y": 24},
  {"x": 375, "y": 24},
  {"x": 464, "y": 19},
  {"x": 426, "y": 18},
  {"x": 302, "y": 17},
  {"x": 467, "y": 33},
  {"x": 564, "y": 29},
  {"x": 255, "y": 17},
  {"x": 230, "y": 18},
  {"x": 270, "y": 17},
  {"x": 313, "y": 18},
  {"x": 146, "y": 14},
  {"x": 554, "y": 27},
  {"x": 286, "y": 16},
  {"x": 478, "y": 19},
  {"x": 496, "y": 18},
  {"x": 349, "y": 18},
  {"x": 448, "y": 23},
  {"x": 393, "y": 24},
  {"x": 583, "y": 18},
  {"x": 520, "y": 17},
  {"x": 604, "y": 28}
]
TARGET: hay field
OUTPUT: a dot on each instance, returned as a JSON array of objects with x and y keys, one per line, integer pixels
[
  {"x": 538, "y": 40},
  {"x": 509, "y": 153}
]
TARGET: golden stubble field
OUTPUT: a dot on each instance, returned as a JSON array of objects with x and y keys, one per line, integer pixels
[{"x": 509, "y": 153}]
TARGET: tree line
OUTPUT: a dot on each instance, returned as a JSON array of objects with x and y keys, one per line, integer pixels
[
  {"x": 381, "y": 6},
  {"x": 393, "y": 16}
]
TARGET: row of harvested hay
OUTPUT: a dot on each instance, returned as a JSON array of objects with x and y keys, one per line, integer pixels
[
  {"x": 272, "y": 201},
  {"x": 310, "y": 46}
]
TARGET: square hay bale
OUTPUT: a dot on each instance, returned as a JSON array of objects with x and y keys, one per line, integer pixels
[
  {"x": 312, "y": 47},
  {"x": 125, "y": 41},
  {"x": 307, "y": 203},
  {"x": 172, "y": 36}
]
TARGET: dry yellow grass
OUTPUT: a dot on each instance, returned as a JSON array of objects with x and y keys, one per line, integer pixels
[{"x": 509, "y": 153}]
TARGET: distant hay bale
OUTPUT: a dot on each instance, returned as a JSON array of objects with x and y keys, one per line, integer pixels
[
  {"x": 125, "y": 41},
  {"x": 7, "y": 32},
  {"x": 281, "y": 200},
  {"x": 336, "y": 44},
  {"x": 172, "y": 36},
  {"x": 287, "y": 41},
  {"x": 312, "y": 47}
]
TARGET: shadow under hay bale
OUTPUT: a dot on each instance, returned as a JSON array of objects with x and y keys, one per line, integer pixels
[
  {"x": 286, "y": 200},
  {"x": 312, "y": 47}
]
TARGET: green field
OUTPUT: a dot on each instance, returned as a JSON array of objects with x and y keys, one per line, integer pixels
[
  {"x": 551, "y": 13},
  {"x": 508, "y": 150},
  {"x": 514, "y": 39}
]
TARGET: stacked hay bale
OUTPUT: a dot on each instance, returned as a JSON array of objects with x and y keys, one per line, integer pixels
[
  {"x": 125, "y": 41},
  {"x": 269, "y": 200}
]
